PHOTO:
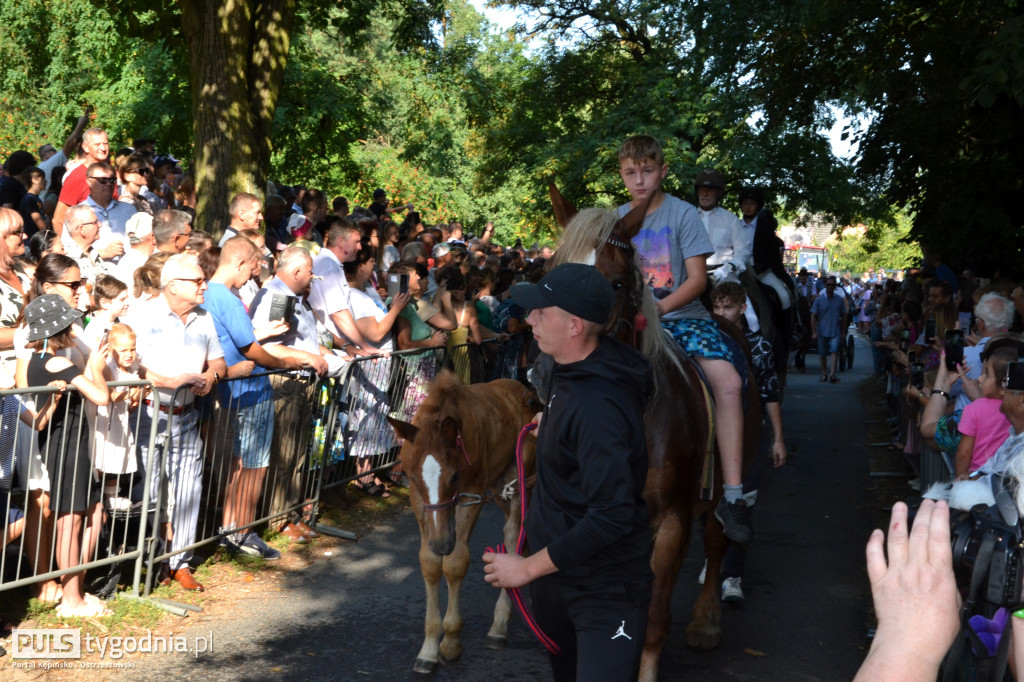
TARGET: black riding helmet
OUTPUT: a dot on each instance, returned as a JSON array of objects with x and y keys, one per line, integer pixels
[
  {"x": 710, "y": 178},
  {"x": 752, "y": 193}
]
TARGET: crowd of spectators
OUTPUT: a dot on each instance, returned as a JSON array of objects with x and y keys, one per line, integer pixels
[
  {"x": 955, "y": 404},
  {"x": 104, "y": 245}
]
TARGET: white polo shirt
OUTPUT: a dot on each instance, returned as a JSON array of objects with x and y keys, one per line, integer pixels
[
  {"x": 170, "y": 347},
  {"x": 331, "y": 293}
]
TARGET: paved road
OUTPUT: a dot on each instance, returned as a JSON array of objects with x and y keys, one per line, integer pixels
[{"x": 358, "y": 614}]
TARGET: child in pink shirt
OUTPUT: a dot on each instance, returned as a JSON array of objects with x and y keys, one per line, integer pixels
[{"x": 983, "y": 426}]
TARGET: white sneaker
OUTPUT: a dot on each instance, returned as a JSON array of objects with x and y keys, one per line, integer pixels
[
  {"x": 732, "y": 590},
  {"x": 703, "y": 572}
]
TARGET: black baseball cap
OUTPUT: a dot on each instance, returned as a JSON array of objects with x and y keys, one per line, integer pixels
[
  {"x": 379, "y": 193},
  {"x": 576, "y": 288}
]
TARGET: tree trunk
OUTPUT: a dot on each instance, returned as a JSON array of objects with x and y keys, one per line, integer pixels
[{"x": 237, "y": 53}]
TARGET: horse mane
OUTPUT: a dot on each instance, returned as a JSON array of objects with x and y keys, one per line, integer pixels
[
  {"x": 583, "y": 237},
  {"x": 444, "y": 392}
]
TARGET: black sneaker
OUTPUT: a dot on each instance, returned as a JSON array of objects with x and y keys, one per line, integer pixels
[{"x": 735, "y": 519}]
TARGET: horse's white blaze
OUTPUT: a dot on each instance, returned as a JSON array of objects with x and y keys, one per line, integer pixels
[
  {"x": 591, "y": 259},
  {"x": 430, "y": 474}
]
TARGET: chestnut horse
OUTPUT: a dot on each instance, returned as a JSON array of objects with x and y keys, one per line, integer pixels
[
  {"x": 460, "y": 444},
  {"x": 679, "y": 431}
]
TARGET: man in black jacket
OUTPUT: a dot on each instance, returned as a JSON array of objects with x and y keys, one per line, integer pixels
[{"x": 589, "y": 571}]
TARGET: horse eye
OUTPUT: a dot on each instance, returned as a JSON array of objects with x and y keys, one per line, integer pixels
[{"x": 617, "y": 286}]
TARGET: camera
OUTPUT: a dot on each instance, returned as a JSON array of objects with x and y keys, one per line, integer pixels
[{"x": 968, "y": 532}]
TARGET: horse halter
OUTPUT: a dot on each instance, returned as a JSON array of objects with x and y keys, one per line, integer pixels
[{"x": 472, "y": 498}]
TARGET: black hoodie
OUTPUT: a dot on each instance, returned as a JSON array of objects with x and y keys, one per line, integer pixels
[{"x": 588, "y": 507}]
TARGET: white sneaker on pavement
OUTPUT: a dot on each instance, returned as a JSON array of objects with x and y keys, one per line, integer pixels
[{"x": 732, "y": 590}]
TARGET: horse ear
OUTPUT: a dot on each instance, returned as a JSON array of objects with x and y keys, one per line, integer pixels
[
  {"x": 630, "y": 224},
  {"x": 449, "y": 429},
  {"x": 564, "y": 211},
  {"x": 404, "y": 429}
]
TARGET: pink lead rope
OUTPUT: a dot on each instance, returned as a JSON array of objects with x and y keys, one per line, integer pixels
[{"x": 514, "y": 592}]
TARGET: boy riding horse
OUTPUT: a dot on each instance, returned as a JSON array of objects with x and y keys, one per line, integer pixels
[{"x": 675, "y": 247}]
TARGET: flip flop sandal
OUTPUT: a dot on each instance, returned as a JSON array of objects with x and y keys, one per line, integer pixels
[
  {"x": 823, "y": 378},
  {"x": 89, "y": 610}
]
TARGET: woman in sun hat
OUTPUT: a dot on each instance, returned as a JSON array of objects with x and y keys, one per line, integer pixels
[{"x": 64, "y": 446}]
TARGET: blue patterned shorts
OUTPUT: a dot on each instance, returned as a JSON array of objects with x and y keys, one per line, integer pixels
[{"x": 700, "y": 338}]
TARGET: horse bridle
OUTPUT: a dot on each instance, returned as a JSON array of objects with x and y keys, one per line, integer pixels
[
  {"x": 456, "y": 499},
  {"x": 636, "y": 295}
]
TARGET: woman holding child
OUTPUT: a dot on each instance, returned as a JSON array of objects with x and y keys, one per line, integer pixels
[{"x": 65, "y": 444}]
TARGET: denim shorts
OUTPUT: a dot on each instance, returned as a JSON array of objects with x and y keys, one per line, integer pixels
[
  {"x": 246, "y": 433},
  {"x": 828, "y": 344}
]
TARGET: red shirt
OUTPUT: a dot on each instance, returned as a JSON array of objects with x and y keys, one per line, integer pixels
[{"x": 76, "y": 189}]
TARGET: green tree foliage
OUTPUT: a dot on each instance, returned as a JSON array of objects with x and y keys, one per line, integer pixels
[
  {"x": 678, "y": 71},
  {"x": 359, "y": 114},
  {"x": 887, "y": 245},
  {"x": 57, "y": 57},
  {"x": 940, "y": 87}
]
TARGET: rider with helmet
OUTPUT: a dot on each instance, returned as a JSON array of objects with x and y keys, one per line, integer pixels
[
  {"x": 733, "y": 241},
  {"x": 767, "y": 247}
]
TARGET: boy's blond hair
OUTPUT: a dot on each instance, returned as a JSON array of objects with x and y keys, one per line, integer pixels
[{"x": 642, "y": 148}]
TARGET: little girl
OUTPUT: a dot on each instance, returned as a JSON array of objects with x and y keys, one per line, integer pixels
[
  {"x": 113, "y": 440},
  {"x": 983, "y": 427},
  {"x": 110, "y": 301}
]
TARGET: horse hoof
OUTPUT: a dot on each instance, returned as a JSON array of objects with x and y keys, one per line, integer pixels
[
  {"x": 424, "y": 667},
  {"x": 449, "y": 660},
  {"x": 703, "y": 639},
  {"x": 496, "y": 642}
]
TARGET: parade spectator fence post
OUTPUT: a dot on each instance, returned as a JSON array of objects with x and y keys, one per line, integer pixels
[{"x": 125, "y": 531}]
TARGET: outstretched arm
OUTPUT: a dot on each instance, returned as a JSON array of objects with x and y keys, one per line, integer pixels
[{"x": 72, "y": 142}]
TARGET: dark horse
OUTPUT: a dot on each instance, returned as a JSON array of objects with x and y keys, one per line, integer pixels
[
  {"x": 679, "y": 432},
  {"x": 461, "y": 443}
]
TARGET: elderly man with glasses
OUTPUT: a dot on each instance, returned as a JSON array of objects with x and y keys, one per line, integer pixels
[
  {"x": 179, "y": 348},
  {"x": 80, "y": 238},
  {"x": 171, "y": 230}
]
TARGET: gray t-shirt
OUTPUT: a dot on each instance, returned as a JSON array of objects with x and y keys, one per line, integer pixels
[{"x": 668, "y": 237}]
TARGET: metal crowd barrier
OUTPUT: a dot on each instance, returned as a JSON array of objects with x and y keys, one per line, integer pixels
[
  {"x": 257, "y": 449},
  {"x": 230, "y": 460},
  {"x": 936, "y": 466},
  {"x": 36, "y": 540},
  {"x": 355, "y": 439},
  {"x": 490, "y": 360}
]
